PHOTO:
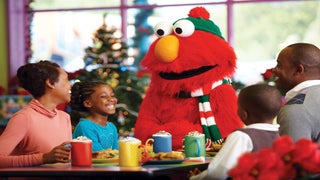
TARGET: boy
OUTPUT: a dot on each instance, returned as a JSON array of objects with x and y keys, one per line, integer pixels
[{"x": 258, "y": 105}]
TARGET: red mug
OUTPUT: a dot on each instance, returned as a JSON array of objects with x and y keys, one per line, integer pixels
[{"x": 81, "y": 153}]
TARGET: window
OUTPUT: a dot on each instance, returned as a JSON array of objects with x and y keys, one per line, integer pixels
[
  {"x": 256, "y": 29},
  {"x": 262, "y": 29},
  {"x": 63, "y": 34}
]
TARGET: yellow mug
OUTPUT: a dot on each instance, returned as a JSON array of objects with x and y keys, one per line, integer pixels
[{"x": 129, "y": 152}]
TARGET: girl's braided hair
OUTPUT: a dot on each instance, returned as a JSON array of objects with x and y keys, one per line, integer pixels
[{"x": 81, "y": 91}]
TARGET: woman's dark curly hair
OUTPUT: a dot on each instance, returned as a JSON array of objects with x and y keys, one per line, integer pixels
[
  {"x": 81, "y": 91},
  {"x": 32, "y": 76}
]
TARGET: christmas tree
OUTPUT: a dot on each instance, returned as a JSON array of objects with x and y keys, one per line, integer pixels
[{"x": 107, "y": 60}]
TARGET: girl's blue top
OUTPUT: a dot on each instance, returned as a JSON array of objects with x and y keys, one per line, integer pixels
[{"x": 103, "y": 137}]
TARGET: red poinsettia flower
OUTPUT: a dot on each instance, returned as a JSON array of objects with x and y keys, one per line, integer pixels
[
  {"x": 22, "y": 91},
  {"x": 2, "y": 90},
  {"x": 284, "y": 146},
  {"x": 267, "y": 75},
  {"x": 263, "y": 165},
  {"x": 246, "y": 168},
  {"x": 284, "y": 160},
  {"x": 307, "y": 155},
  {"x": 74, "y": 75},
  {"x": 269, "y": 164}
]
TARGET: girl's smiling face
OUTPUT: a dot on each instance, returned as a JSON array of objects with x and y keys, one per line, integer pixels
[{"x": 102, "y": 101}]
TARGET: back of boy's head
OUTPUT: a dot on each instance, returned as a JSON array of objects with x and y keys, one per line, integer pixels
[
  {"x": 261, "y": 101},
  {"x": 81, "y": 91}
]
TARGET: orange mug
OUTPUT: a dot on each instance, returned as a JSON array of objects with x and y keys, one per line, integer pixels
[{"x": 81, "y": 153}]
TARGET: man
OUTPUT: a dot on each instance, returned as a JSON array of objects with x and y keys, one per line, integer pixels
[{"x": 298, "y": 76}]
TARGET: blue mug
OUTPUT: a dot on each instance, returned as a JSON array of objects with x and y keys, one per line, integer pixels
[{"x": 162, "y": 142}]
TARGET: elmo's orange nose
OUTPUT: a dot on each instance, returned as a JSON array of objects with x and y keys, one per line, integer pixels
[{"x": 167, "y": 48}]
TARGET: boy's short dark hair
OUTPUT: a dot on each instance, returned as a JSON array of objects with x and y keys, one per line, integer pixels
[{"x": 261, "y": 100}]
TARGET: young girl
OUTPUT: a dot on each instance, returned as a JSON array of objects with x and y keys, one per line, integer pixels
[
  {"x": 97, "y": 99},
  {"x": 37, "y": 134}
]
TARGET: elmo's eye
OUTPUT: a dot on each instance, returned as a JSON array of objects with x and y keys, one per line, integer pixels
[
  {"x": 183, "y": 28},
  {"x": 163, "y": 29}
]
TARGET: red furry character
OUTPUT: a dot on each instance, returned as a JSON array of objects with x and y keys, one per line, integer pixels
[{"x": 190, "y": 64}]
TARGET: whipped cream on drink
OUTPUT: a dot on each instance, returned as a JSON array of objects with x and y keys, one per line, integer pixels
[
  {"x": 162, "y": 133},
  {"x": 81, "y": 139},
  {"x": 129, "y": 140},
  {"x": 195, "y": 133}
]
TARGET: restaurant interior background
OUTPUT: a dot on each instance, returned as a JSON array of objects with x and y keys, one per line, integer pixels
[{"x": 106, "y": 39}]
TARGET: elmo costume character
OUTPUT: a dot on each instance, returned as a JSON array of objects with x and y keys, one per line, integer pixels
[{"x": 190, "y": 65}]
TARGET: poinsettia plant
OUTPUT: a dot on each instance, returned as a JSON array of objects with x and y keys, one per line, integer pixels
[
  {"x": 268, "y": 76},
  {"x": 284, "y": 160}
]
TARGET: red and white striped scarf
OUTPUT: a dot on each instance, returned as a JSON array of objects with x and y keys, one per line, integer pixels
[{"x": 207, "y": 119}]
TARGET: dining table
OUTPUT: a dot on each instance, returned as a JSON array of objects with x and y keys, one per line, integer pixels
[{"x": 175, "y": 169}]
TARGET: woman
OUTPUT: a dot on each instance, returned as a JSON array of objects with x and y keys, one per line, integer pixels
[{"x": 37, "y": 134}]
